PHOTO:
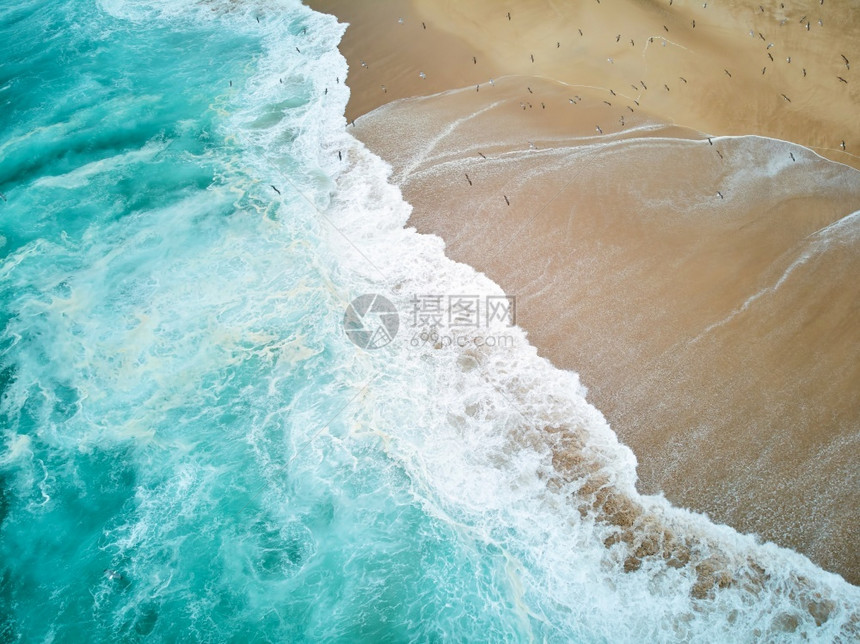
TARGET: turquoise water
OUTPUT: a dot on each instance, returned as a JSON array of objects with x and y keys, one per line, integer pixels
[
  {"x": 166, "y": 354},
  {"x": 193, "y": 450}
]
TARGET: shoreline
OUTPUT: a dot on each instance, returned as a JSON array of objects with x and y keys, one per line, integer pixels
[{"x": 708, "y": 362}]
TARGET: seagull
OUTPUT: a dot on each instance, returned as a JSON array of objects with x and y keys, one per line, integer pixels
[
  {"x": 721, "y": 194},
  {"x": 422, "y": 74},
  {"x": 507, "y": 201},
  {"x": 276, "y": 190},
  {"x": 791, "y": 154},
  {"x": 786, "y": 98},
  {"x": 468, "y": 179}
]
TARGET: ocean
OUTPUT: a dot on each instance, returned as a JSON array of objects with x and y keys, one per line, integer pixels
[{"x": 236, "y": 406}]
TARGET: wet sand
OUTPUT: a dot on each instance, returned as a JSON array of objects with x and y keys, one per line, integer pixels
[{"x": 706, "y": 291}]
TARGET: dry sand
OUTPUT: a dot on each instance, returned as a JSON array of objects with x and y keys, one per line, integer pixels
[{"x": 718, "y": 334}]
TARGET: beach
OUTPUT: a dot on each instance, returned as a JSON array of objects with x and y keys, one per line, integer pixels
[
  {"x": 475, "y": 333},
  {"x": 667, "y": 196}
]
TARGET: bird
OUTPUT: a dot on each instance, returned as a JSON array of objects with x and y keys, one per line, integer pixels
[
  {"x": 113, "y": 575},
  {"x": 608, "y": 103},
  {"x": 642, "y": 83},
  {"x": 507, "y": 201},
  {"x": 720, "y": 194},
  {"x": 804, "y": 72},
  {"x": 599, "y": 130},
  {"x": 276, "y": 190},
  {"x": 533, "y": 57},
  {"x": 842, "y": 145},
  {"x": 612, "y": 92},
  {"x": 618, "y": 37},
  {"x": 845, "y": 59},
  {"x": 580, "y": 31},
  {"x": 482, "y": 155},
  {"x": 720, "y": 154},
  {"x": 786, "y": 98},
  {"x": 667, "y": 87},
  {"x": 791, "y": 154},
  {"x": 509, "y": 15},
  {"x": 710, "y": 141},
  {"x": 530, "y": 90},
  {"x": 422, "y": 74},
  {"x": 298, "y": 50},
  {"x": 694, "y": 24},
  {"x": 770, "y": 56},
  {"x": 339, "y": 156},
  {"x": 474, "y": 60},
  {"x": 468, "y": 179},
  {"x": 727, "y": 73},
  {"x": 842, "y": 79},
  {"x": 763, "y": 70}
]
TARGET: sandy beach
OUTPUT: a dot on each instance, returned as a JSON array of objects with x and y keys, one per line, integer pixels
[{"x": 672, "y": 197}]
